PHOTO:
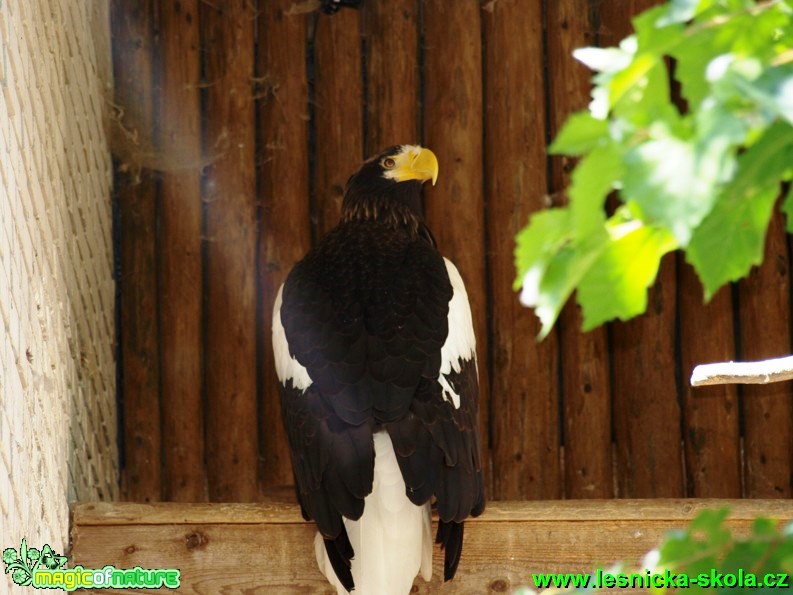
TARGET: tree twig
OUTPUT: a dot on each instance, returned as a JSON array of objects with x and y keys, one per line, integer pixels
[{"x": 762, "y": 372}]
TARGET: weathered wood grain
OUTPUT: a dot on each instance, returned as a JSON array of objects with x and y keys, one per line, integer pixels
[
  {"x": 646, "y": 408},
  {"x": 338, "y": 112},
  {"x": 711, "y": 414},
  {"x": 286, "y": 510},
  {"x": 586, "y": 390},
  {"x": 764, "y": 299},
  {"x": 180, "y": 267},
  {"x": 453, "y": 130},
  {"x": 230, "y": 196},
  {"x": 392, "y": 90},
  {"x": 136, "y": 196},
  {"x": 524, "y": 374},
  {"x": 259, "y": 549},
  {"x": 285, "y": 232}
]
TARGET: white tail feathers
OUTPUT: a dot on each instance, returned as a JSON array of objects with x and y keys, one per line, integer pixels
[{"x": 392, "y": 541}]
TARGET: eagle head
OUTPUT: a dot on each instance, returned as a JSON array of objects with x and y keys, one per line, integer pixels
[{"x": 391, "y": 180}]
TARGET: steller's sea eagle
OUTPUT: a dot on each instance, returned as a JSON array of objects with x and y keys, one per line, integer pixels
[{"x": 375, "y": 353}]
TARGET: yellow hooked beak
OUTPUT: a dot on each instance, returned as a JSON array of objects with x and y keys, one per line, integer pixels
[{"x": 414, "y": 163}]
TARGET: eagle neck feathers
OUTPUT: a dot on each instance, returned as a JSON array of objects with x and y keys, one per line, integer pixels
[{"x": 402, "y": 212}]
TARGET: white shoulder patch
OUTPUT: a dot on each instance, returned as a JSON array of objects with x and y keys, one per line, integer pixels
[
  {"x": 460, "y": 343},
  {"x": 286, "y": 366}
]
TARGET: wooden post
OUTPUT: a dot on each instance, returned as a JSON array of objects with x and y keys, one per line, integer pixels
[
  {"x": 180, "y": 283},
  {"x": 453, "y": 130},
  {"x": 338, "y": 111},
  {"x": 285, "y": 234},
  {"x": 646, "y": 410},
  {"x": 711, "y": 432},
  {"x": 136, "y": 193},
  {"x": 764, "y": 300},
  {"x": 524, "y": 374},
  {"x": 587, "y": 386},
  {"x": 392, "y": 92},
  {"x": 230, "y": 196}
]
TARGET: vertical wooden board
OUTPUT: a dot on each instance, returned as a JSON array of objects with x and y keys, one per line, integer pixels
[
  {"x": 283, "y": 195},
  {"x": 764, "y": 300},
  {"x": 338, "y": 111},
  {"x": 136, "y": 193},
  {"x": 524, "y": 374},
  {"x": 646, "y": 408},
  {"x": 584, "y": 356},
  {"x": 453, "y": 130},
  {"x": 180, "y": 283},
  {"x": 711, "y": 430},
  {"x": 392, "y": 89},
  {"x": 230, "y": 214},
  {"x": 615, "y": 18},
  {"x": 645, "y": 401}
]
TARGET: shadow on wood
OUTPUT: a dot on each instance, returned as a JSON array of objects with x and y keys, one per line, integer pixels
[{"x": 268, "y": 548}]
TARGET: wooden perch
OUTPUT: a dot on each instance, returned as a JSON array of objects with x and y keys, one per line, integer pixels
[
  {"x": 762, "y": 372},
  {"x": 267, "y": 547}
]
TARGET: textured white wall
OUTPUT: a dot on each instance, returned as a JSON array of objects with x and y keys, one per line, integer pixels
[{"x": 57, "y": 370}]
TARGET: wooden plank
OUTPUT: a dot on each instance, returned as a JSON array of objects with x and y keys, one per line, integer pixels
[
  {"x": 615, "y": 18},
  {"x": 180, "y": 278},
  {"x": 338, "y": 112},
  {"x": 230, "y": 196},
  {"x": 646, "y": 408},
  {"x": 392, "y": 91},
  {"x": 136, "y": 195},
  {"x": 285, "y": 234},
  {"x": 252, "y": 555},
  {"x": 453, "y": 130},
  {"x": 711, "y": 431},
  {"x": 586, "y": 390},
  {"x": 764, "y": 300},
  {"x": 524, "y": 375},
  {"x": 282, "y": 511}
]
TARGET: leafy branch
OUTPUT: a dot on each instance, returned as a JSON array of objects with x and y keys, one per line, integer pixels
[
  {"x": 709, "y": 549},
  {"x": 702, "y": 178}
]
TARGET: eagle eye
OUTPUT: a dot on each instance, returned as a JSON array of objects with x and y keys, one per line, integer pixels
[{"x": 388, "y": 163}]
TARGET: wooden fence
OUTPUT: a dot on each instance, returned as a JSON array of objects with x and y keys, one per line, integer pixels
[{"x": 237, "y": 127}]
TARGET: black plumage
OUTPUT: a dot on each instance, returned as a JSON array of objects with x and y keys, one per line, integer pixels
[{"x": 366, "y": 314}]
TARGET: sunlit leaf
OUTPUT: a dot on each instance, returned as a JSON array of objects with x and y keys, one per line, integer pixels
[
  {"x": 731, "y": 239},
  {"x": 616, "y": 284},
  {"x": 579, "y": 134}
]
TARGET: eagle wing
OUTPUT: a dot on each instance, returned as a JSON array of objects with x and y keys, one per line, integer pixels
[{"x": 372, "y": 331}]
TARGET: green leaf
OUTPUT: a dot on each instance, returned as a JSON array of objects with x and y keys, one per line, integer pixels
[
  {"x": 616, "y": 284},
  {"x": 565, "y": 271},
  {"x": 787, "y": 209},
  {"x": 763, "y": 527},
  {"x": 773, "y": 91},
  {"x": 546, "y": 233},
  {"x": 673, "y": 186},
  {"x": 656, "y": 34},
  {"x": 581, "y": 133},
  {"x": 23, "y": 551},
  {"x": 693, "y": 56},
  {"x": 731, "y": 238},
  {"x": 592, "y": 180},
  {"x": 703, "y": 179},
  {"x": 710, "y": 520}
]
